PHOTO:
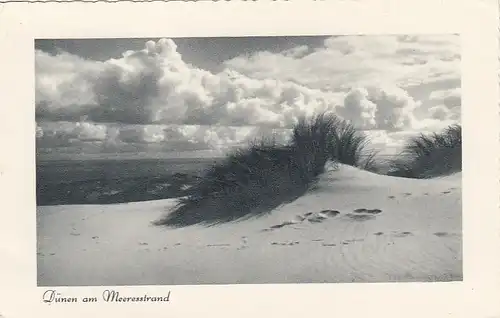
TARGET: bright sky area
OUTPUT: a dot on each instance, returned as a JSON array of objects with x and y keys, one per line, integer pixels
[{"x": 200, "y": 97}]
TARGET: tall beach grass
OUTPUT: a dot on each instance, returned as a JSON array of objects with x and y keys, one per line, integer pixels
[
  {"x": 432, "y": 155},
  {"x": 253, "y": 180}
]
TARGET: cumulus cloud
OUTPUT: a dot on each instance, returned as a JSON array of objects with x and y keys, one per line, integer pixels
[
  {"x": 65, "y": 134},
  {"x": 389, "y": 108},
  {"x": 348, "y": 61},
  {"x": 152, "y": 100},
  {"x": 106, "y": 138},
  {"x": 155, "y": 86},
  {"x": 440, "y": 112},
  {"x": 63, "y": 85},
  {"x": 450, "y": 98},
  {"x": 359, "y": 109},
  {"x": 387, "y": 143}
]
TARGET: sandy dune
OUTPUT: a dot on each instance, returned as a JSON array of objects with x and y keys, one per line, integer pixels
[{"x": 354, "y": 226}]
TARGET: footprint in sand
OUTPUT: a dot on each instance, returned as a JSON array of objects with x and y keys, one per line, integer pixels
[
  {"x": 426, "y": 193},
  {"x": 309, "y": 216},
  {"x": 143, "y": 243},
  {"x": 403, "y": 234},
  {"x": 391, "y": 197},
  {"x": 217, "y": 245},
  {"x": 296, "y": 220},
  {"x": 360, "y": 217},
  {"x": 278, "y": 226},
  {"x": 321, "y": 216},
  {"x": 445, "y": 192},
  {"x": 177, "y": 244},
  {"x": 244, "y": 243},
  {"x": 363, "y": 214},
  {"x": 52, "y": 254},
  {"x": 74, "y": 234},
  {"x": 328, "y": 244},
  {"x": 360, "y": 210},
  {"x": 285, "y": 243},
  {"x": 317, "y": 218},
  {"x": 317, "y": 240},
  {"x": 354, "y": 240},
  {"x": 369, "y": 211},
  {"x": 378, "y": 233},
  {"x": 95, "y": 237},
  {"x": 441, "y": 234},
  {"x": 446, "y": 234},
  {"x": 330, "y": 213},
  {"x": 407, "y": 194},
  {"x": 299, "y": 218}
]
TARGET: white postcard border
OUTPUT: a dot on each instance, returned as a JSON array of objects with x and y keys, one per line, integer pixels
[{"x": 475, "y": 21}]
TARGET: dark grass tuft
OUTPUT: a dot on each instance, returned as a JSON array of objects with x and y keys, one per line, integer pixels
[
  {"x": 350, "y": 146},
  {"x": 248, "y": 182},
  {"x": 334, "y": 139},
  {"x": 433, "y": 155},
  {"x": 254, "y": 180}
]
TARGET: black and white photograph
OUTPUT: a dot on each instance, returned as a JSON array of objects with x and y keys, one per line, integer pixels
[{"x": 248, "y": 160}]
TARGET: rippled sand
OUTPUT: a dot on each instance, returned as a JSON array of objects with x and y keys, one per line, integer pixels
[{"x": 354, "y": 226}]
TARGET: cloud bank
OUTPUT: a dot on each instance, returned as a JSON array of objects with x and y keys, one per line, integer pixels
[
  {"x": 92, "y": 138},
  {"x": 151, "y": 100},
  {"x": 155, "y": 86}
]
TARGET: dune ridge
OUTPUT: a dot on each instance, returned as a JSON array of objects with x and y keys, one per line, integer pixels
[{"x": 351, "y": 226}]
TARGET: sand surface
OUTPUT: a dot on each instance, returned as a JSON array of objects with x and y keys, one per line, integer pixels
[{"x": 373, "y": 228}]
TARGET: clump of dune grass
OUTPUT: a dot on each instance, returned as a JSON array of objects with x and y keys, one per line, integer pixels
[
  {"x": 335, "y": 139},
  {"x": 253, "y": 180},
  {"x": 351, "y": 147},
  {"x": 432, "y": 155},
  {"x": 247, "y": 182}
]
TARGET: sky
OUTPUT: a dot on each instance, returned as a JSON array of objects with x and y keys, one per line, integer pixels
[{"x": 201, "y": 97}]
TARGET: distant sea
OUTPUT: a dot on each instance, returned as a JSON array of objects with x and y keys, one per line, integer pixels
[{"x": 105, "y": 181}]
